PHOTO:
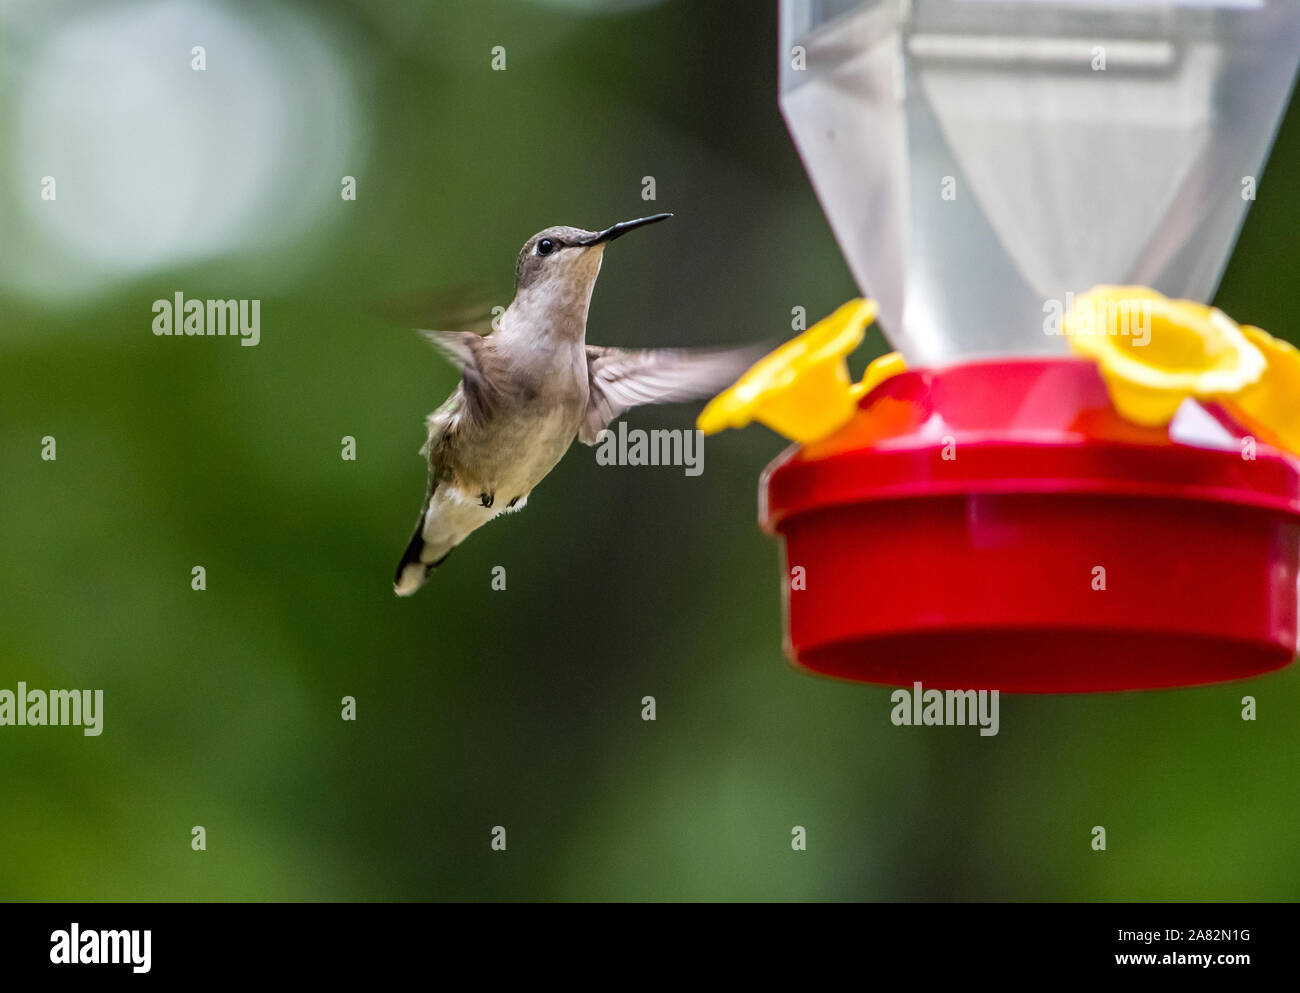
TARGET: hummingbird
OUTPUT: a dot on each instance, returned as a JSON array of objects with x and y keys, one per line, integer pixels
[{"x": 532, "y": 386}]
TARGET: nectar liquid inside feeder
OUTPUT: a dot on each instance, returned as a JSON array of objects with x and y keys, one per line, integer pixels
[{"x": 988, "y": 519}]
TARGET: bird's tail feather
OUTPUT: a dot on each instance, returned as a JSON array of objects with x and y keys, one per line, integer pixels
[{"x": 418, "y": 561}]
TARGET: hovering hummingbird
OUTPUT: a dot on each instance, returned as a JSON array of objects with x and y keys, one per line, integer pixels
[{"x": 532, "y": 386}]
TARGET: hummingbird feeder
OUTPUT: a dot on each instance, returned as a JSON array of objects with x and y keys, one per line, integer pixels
[{"x": 1028, "y": 496}]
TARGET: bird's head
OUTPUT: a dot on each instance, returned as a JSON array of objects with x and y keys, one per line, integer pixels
[{"x": 557, "y": 267}]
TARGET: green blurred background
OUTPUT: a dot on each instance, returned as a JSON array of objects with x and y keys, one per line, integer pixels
[{"x": 476, "y": 707}]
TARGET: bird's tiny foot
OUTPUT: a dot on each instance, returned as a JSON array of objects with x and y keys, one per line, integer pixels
[
  {"x": 513, "y": 502},
  {"x": 487, "y": 499}
]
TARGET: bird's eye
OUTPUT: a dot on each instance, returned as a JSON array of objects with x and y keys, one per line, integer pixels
[{"x": 545, "y": 246}]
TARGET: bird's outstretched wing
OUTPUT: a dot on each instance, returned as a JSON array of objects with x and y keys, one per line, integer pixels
[
  {"x": 484, "y": 377},
  {"x": 468, "y": 306},
  {"x": 621, "y": 379},
  {"x": 457, "y": 347}
]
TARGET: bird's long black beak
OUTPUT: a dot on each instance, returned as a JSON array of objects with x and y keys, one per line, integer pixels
[{"x": 622, "y": 228}]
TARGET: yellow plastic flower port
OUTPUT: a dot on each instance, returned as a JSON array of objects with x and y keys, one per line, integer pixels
[
  {"x": 802, "y": 389},
  {"x": 1270, "y": 408},
  {"x": 880, "y": 369},
  {"x": 1154, "y": 352}
]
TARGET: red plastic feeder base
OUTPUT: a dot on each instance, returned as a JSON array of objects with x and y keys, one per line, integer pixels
[{"x": 997, "y": 525}]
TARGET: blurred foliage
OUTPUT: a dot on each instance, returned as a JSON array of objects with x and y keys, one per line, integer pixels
[{"x": 522, "y": 708}]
